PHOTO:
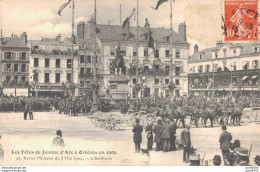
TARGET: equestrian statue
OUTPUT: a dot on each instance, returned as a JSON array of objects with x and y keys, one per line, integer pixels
[{"x": 118, "y": 63}]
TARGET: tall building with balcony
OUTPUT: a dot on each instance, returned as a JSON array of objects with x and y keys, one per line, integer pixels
[
  {"x": 53, "y": 68},
  {"x": 14, "y": 57},
  {"x": 226, "y": 69},
  {"x": 153, "y": 73}
]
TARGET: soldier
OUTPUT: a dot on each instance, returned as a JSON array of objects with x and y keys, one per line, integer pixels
[
  {"x": 26, "y": 111},
  {"x": 30, "y": 110},
  {"x": 58, "y": 141}
]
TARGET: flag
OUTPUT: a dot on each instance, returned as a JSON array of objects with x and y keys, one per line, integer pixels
[
  {"x": 62, "y": 7},
  {"x": 160, "y": 2},
  {"x": 128, "y": 18},
  {"x": 151, "y": 42}
]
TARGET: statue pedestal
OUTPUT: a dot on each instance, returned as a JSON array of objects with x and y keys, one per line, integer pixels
[{"x": 119, "y": 89}]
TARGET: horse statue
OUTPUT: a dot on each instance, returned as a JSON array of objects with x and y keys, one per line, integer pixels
[{"x": 118, "y": 63}]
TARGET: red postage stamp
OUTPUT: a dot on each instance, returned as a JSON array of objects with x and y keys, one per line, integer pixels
[{"x": 241, "y": 20}]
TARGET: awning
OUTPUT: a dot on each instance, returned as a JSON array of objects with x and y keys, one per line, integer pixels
[
  {"x": 244, "y": 78},
  {"x": 255, "y": 76}
]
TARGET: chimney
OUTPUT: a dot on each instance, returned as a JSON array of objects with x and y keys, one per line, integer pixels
[
  {"x": 127, "y": 30},
  {"x": 182, "y": 31},
  {"x": 1, "y": 38},
  {"x": 81, "y": 30},
  {"x": 91, "y": 28},
  {"x": 196, "y": 48},
  {"x": 219, "y": 43},
  {"x": 24, "y": 37},
  {"x": 58, "y": 37}
]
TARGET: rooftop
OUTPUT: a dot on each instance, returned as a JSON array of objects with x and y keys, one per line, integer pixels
[
  {"x": 115, "y": 32},
  {"x": 16, "y": 42}
]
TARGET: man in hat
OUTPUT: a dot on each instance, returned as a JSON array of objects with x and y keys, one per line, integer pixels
[
  {"x": 157, "y": 138},
  {"x": 166, "y": 130},
  {"x": 216, "y": 160},
  {"x": 58, "y": 141},
  {"x": 173, "y": 136},
  {"x": 186, "y": 142},
  {"x": 224, "y": 140},
  {"x": 138, "y": 129}
]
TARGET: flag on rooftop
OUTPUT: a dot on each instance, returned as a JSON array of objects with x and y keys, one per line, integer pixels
[
  {"x": 128, "y": 18},
  {"x": 63, "y": 6},
  {"x": 160, "y": 2}
]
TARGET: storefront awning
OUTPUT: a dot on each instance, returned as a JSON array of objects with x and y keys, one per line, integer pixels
[
  {"x": 244, "y": 78},
  {"x": 255, "y": 76}
]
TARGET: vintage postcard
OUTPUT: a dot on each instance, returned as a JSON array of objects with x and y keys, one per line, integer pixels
[{"x": 129, "y": 83}]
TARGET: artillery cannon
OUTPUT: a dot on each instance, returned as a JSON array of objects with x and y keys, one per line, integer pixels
[{"x": 110, "y": 121}]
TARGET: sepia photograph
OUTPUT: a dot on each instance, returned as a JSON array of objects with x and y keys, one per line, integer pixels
[{"x": 129, "y": 83}]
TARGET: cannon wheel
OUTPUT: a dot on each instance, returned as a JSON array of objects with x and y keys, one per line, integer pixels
[{"x": 113, "y": 122}]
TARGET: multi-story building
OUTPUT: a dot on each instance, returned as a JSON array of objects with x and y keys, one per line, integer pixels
[
  {"x": 53, "y": 68},
  {"x": 154, "y": 64},
  {"x": 14, "y": 60},
  {"x": 225, "y": 69}
]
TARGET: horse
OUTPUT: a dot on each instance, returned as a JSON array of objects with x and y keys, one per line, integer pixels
[{"x": 118, "y": 63}]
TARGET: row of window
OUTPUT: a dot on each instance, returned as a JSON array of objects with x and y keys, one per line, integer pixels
[
  {"x": 47, "y": 77},
  {"x": 57, "y": 63},
  {"x": 87, "y": 70},
  {"x": 10, "y": 67},
  {"x": 145, "y": 53},
  {"x": 15, "y": 56},
  {"x": 15, "y": 78},
  {"x": 245, "y": 66},
  {"x": 157, "y": 81}
]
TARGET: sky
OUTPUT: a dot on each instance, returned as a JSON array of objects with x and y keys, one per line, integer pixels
[{"x": 39, "y": 18}]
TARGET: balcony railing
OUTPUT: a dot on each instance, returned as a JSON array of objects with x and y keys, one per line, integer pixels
[
  {"x": 54, "y": 52},
  {"x": 145, "y": 71},
  {"x": 14, "y": 84}
]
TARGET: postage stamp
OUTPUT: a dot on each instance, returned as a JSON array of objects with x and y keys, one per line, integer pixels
[{"x": 241, "y": 20}]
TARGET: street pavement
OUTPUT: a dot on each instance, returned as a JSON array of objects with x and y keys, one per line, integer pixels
[{"x": 86, "y": 144}]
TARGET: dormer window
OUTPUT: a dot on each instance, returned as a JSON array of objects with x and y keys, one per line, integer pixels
[
  {"x": 225, "y": 52},
  {"x": 255, "y": 49},
  {"x": 234, "y": 52},
  {"x": 216, "y": 55},
  {"x": 201, "y": 56},
  {"x": 167, "y": 39}
]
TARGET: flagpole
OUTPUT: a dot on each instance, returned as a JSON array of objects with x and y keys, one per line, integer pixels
[
  {"x": 72, "y": 44},
  {"x": 137, "y": 40},
  {"x": 120, "y": 14},
  {"x": 94, "y": 103},
  {"x": 171, "y": 46}
]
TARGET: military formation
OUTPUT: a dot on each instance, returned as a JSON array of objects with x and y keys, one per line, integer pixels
[{"x": 198, "y": 110}]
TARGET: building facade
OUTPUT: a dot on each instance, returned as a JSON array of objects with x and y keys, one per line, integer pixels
[
  {"x": 227, "y": 69},
  {"x": 53, "y": 68},
  {"x": 14, "y": 57},
  {"x": 153, "y": 73}
]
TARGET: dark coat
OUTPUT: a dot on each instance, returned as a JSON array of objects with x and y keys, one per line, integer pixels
[
  {"x": 157, "y": 131},
  {"x": 166, "y": 131},
  {"x": 185, "y": 138},
  {"x": 224, "y": 140},
  {"x": 138, "y": 129},
  {"x": 173, "y": 129}
]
